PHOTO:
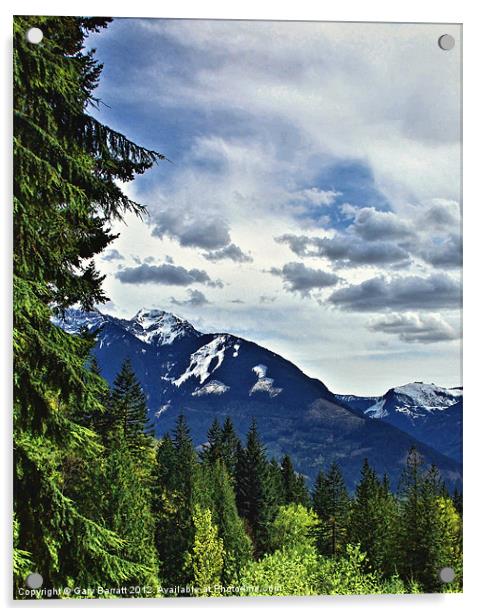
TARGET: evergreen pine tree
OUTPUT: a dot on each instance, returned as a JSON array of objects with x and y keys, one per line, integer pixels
[
  {"x": 127, "y": 511},
  {"x": 230, "y": 444},
  {"x": 175, "y": 492},
  {"x": 332, "y": 505},
  {"x": 68, "y": 169},
  {"x": 216, "y": 493},
  {"x": 428, "y": 538},
  {"x": 205, "y": 559},
  {"x": 128, "y": 412},
  {"x": 212, "y": 451},
  {"x": 294, "y": 489},
  {"x": 254, "y": 491},
  {"x": 373, "y": 521}
]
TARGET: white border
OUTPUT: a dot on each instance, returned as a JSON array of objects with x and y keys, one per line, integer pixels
[{"x": 461, "y": 11}]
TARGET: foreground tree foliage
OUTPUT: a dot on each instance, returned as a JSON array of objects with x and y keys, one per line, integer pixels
[
  {"x": 67, "y": 169},
  {"x": 98, "y": 501}
]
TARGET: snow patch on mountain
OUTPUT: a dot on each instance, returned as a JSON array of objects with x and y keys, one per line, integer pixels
[
  {"x": 377, "y": 410},
  {"x": 163, "y": 409},
  {"x": 236, "y": 348},
  {"x": 204, "y": 361},
  {"x": 212, "y": 387},
  {"x": 264, "y": 384}
]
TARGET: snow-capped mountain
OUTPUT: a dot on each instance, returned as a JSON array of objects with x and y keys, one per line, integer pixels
[
  {"x": 216, "y": 375},
  {"x": 430, "y": 413}
]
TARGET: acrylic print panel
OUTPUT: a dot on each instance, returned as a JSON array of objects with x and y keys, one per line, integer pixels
[{"x": 237, "y": 308}]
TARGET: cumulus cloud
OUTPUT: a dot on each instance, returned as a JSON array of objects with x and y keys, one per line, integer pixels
[
  {"x": 231, "y": 251},
  {"x": 446, "y": 253},
  {"x": 345, "y": 250},
  {"x": 372, "y": 225},
  {"x": 442, "y": 215},
  {"x": 112, "y": 255},
  {"x": 196, "y": 298},
  {"x": 191, "y": 229},
  {"x": 401, "y": 293},
  {"x": 299, "y": 278},
  {"x": 166, "y": 274},
  {"x": 411, "y": 327}
]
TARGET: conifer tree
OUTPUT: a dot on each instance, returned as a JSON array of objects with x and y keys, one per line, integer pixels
[
  {"x": 230, "y": 444},
  {"x": 97, "y": 418},
  {"x": 254, "y": 490},
  {"x": 68, "y": 169},
  {"x": 294, "y": 488},
  {"x": 128, "y": 412},
  {"x": 332, "y": 505},
  {"x": 426, "y": 541},
  {"x": 206, "y": 556},
  {"x": 216, "y": 493},
  {"x": 176, "y": 488},
  {"x": 212, "y": 451},
  {"x": 373, "y": 521},
  {"x": 127, "y": 511}
]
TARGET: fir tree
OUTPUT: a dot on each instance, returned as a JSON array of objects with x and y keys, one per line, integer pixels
[
  {"x": 294, "y": 489},
  {"x": 373, "y": 521},
  {"x": 332, "y": 505},
  {"x": 429, "y": 536},
  {"x": 68, "y": 169},
  {"x": 212, "y": 451},
  {"x": 230, "y": 444},
  {"x": 127, "y": 511},
  {"x": 176, "y": 487},
  {"x": 206, "y": 557},
  {"x": 254, "y": 491},
  {"x": 128, "y": 412},
  {"x": 216, "y": 493}
]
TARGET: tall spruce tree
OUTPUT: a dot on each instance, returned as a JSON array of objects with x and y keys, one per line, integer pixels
[
  {"x": 429, "y": 531},
  {"x": 254, "y": 490},
  {"x": 294, "y": 487},
  {"x": 176, "y": 488},
  {"x": 68, "y": 171},
  {"x": 374, "y": 521},
  {"x": 127, "y": 511},
  {"x": 212, "y": 450},
  {"x": 332, "y": 505},
  {"x": 128, "y": 412},
  {"x": 216, "y": 493},
  {"x": 229, "y": 446}
]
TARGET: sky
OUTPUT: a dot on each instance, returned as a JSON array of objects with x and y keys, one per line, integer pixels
[{"x": 312, "y": 204}]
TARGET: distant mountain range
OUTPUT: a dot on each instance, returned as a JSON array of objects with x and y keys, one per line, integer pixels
[
  {"x": 215, "y": 375},
  {"x": 431, "y": 414}
]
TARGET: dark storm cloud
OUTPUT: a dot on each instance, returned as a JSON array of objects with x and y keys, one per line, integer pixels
[
  {"x": 112, "y": 255},
  {"x": 231, "y": 251},
  {"x": 196, "y": 298},
  {"x": 298, "y": 277},
  {"x": 407, "y": 293},
  {"x": 190, "y": 229},
  {"x": 167, "y": 274},
  {"x": 416, "y": 328},
  {"x": 346, "y": 250}
]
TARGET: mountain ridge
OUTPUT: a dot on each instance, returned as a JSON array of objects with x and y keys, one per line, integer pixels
[{"x": 216, "y": 375}]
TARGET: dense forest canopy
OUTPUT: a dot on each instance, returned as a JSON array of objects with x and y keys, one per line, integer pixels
[{"x": 98, "y": 502}]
